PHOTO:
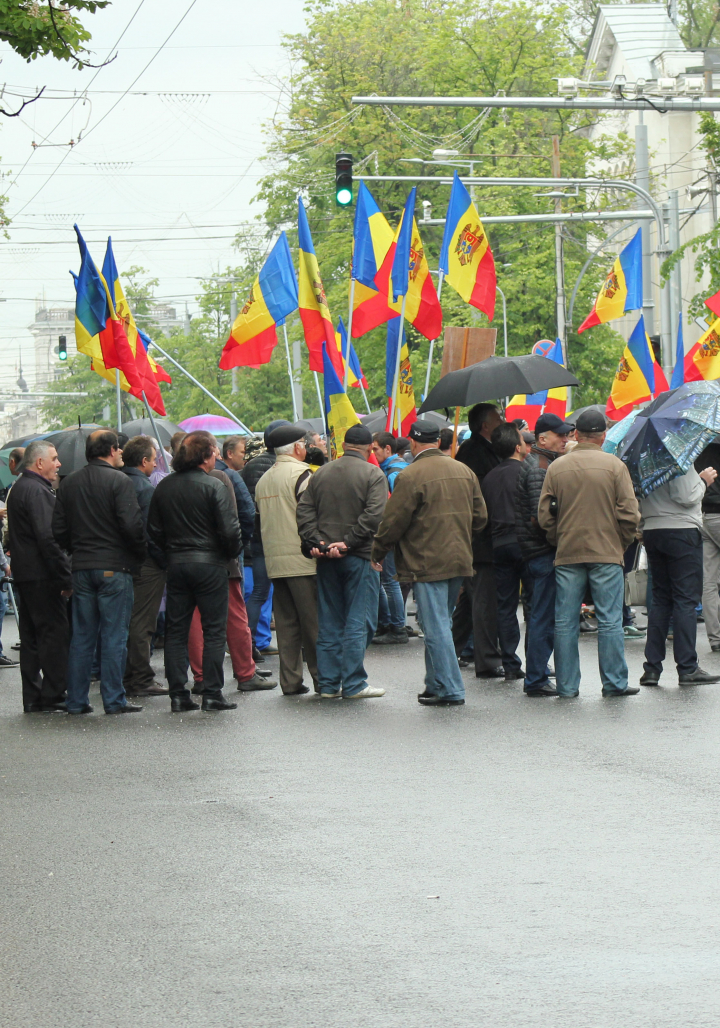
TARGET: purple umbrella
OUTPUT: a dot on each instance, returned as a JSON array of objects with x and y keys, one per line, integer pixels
[{"x": 211, "y": 423}]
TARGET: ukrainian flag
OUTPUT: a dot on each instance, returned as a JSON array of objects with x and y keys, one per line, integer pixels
[
  {"x": 273, "y": 296},
  {"x": 622, "y": 289},
  {"x": 314, "y": 311},
  {"x": 465, "y": 255},
  {"x": 339, "y": 412}
]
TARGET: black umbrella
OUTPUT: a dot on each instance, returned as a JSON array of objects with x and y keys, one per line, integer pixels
[
  {"x": 376, "y": 421},
  {"x": 312, "y": 425},
  {"x": 595, "y": 407},
  {"x": 494, "y": 377},
  {"x": 70, "y": 446},
  {"x": 143, "y": 426}
]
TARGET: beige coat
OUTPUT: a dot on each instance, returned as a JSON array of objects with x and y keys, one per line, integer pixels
[
  {"x": 276, "y": 496},
  {"x": 597, "y": 513}
]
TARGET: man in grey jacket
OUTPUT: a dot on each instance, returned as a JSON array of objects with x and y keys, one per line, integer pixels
[
  {"x": 672, "y": 526},
  {"x": 338, "y": 516}
]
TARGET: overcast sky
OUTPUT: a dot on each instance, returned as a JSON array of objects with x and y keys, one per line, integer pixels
[{"x": 169, "y": 173}]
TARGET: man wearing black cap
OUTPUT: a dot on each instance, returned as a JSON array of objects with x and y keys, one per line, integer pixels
[
  {"x": 338, "y": 516},
  {"x": 551, "y": 435},
  {"x": 293, "y": 576},
  {"x": 430, "y": 519},
  {"x": 589, "y": 511}
]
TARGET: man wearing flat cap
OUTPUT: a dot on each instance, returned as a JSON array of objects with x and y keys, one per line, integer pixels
[
  {"x": 430, "y": 519},
  {"x": 293, "y": 575},
  {"x": 589, "y": 512},
  {"x": 338, "y": 516}
]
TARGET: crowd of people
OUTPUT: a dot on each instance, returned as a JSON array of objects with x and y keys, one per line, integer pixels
[{"x": 199, "y": 551}]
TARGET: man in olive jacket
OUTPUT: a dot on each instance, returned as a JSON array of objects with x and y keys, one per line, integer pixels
[
  {"x": 338, "y": 516},
  {"x": 589, "y": 511},
  {"x": 431, "y": 517}
]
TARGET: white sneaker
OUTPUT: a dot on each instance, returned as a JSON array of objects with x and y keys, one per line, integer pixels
[
  {"x": 367, "y": 693},
  {"x": 330, "y": 695}
]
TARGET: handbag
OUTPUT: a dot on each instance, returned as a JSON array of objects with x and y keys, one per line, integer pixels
[{"x": 636, "y": 581}]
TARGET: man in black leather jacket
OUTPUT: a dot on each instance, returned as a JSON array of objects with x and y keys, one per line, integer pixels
[{"x": 192, "y": 520}]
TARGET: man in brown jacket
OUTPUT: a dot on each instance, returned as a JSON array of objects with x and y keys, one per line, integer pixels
[
  {"x": 430, "y": 519},
  {"x": 589, "y": 511}
]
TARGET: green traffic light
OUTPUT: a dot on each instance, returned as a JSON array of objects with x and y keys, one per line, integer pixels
[
  {"x": 63, "y": 355},
  {"x": 344, "y": 197}
]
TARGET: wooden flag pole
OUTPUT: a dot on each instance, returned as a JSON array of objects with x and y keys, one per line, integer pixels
[
  {"x": 290, "y": 374},
  {"x": 441, "y": 279},
  {"x": 466, "y": 333}
]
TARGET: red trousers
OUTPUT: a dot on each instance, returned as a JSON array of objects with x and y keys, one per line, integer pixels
[{"x": 238, "y": 638}]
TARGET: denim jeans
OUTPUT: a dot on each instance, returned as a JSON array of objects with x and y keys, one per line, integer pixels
[
  {"x": 675, "y": 557},
  {"x": 510, "y": 572},
  {"x": 435, "y": 605},
  {"x": 392, "y": 606},
  {"x": 348, "y": 591},
  {"x": 102, "y": 603},
  {"x": 205, "y": 586},
  {"x": 258, "y": 601},
  {"x": 540, "y": 628},
  {"x": 607, "y": 585},
  {"x": 4, "y": 600}
]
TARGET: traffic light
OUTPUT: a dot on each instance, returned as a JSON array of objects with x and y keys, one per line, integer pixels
[
  {"x": 62, "y": 348},
  {"x": 343, "y": 179}
]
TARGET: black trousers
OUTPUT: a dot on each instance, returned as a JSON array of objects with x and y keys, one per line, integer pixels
[
  {"x": 675, "y": 557},
  {"x": 204, "y": 586},
  {"x": 476, "y": 611},
  {"x": 510, "y": 574},
  {"x": 44, "y": 641}
]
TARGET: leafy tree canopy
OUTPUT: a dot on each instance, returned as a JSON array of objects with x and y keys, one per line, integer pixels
[{"x": 35, "y": 29}]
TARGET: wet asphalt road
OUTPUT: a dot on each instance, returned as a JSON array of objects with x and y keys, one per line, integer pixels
[{"x": 514, "y": 862}]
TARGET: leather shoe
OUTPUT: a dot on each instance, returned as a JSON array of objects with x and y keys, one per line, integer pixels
[
  {"x": 650, "y": 678},
  {"x": 544, "y": 690},
  {"x": 60, "y": 707},
  {"x": 439, "y": 701},
  {"x": 425, "y": 694},
  {"x": 197, "y": 689},
  {"x": 263, "y": 674},
  {"x": 493, "y": 672},
  {"x": 129, "y": 708},
  {"x": 151, "y": 690},
  {"x": 217, "y": 703},
  {"x": 270, "y": 651},
  {"x": 87, "y": 709},
  {"x": 698, "y": 677},
  {"x": 632, "y": 690},
  {"x": 256, "y": 683},
  {"x": 178, "y": 704},
  {"x": 33, "y": 708},
  {"x": 514, "y": 676},
  {"x": 298, "y": 692},
  {"x": 257, "y": 655},
  {"x": 715, "y": 647}
]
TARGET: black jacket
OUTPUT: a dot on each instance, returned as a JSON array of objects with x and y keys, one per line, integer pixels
[
  {"x": 97, "y": 519},
  {"x": 477, "y": 454},
  {"x": 245, "y": 504},
  {"x": 709, "y": 458},
  {"x": 34, "y": 552},
  {"x": 144, "y": 490},
  {"x": 251, "y": 475},
  {"x": 531, "y": 537},
  {"x": 192, "y": 520},
  {"x": 498, "y": 489}
]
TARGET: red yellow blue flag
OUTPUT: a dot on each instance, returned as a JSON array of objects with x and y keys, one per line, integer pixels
[
  {"x": 703, "y": 361},
  {"x": 314, "y": 311},
  {"x": 339, "y": 411},
  {"x": 622, "y": 290},
  {"x": 638, "y": 378},
  {"x": 405, "y": 390},
  {"x": 355, "y": 372},
  {"x": 465, "y": 255}
]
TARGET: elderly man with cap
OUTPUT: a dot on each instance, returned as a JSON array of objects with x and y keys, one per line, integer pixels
[
  {"x": 338, "y": 516},
  {"x": 293, "y": 576},
  {"x": 430, "y": 519},
  {"x": 589, "y": 512},
  {"x": 551, "y": 435}
]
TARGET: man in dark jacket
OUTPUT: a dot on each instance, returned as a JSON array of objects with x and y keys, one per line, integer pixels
[
  {"x": 499, "y": 487},
  {"x": 551, "y": 435},
  {"x": 337, "y": 516},
  {"x": 97, "y": 520},
  {"x": 193, "y": 522},
  {"x": 710, "y": 458},
  {"x": 43, "y": 582},
  {"x": 139, "y": 462},
  {"x": 243, "y": 499},
  {"x": 477, "y": 608}
]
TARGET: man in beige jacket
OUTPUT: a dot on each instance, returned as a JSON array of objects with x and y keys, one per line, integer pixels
[
  {"x": 293, "y": 576},
  {"x": 589, "y": 511}
]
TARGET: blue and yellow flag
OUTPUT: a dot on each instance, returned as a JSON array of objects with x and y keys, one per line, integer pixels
[
  {"x": 355, "y": 372},
  {"x": 273, "y": 296},
  {"x": 465, "y": 254},
  {"x": 638, "y": 377},
  {"x": 339, "y": 412},
  {"x": 314, "y": 311},
  {"x": 623, "y": 288},
  {"x": 405, "y": 390}
]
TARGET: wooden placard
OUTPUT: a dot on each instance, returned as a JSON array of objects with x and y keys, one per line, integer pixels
[{"x": 480, "y": 345}]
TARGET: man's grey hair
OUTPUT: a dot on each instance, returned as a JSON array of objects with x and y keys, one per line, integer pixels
[
  {"x": 40, "y": 448},
  {"x": 281, "y": 451}
]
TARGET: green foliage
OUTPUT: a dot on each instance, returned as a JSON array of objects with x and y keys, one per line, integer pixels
[{"x": 35, "y": 29}]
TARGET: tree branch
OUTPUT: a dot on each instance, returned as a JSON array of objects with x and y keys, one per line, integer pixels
[{"x": 16, "y": 114}]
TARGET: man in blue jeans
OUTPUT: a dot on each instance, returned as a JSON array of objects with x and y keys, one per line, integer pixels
[
  {"x": 551, "y": 434},
  {"x": 430, "y": 519},
  {"x": 97, "y": 520},
  {"x": 391, "y": 628},
  {"x": 337, "y": 516},
  {"x": 589, "y": 511}
]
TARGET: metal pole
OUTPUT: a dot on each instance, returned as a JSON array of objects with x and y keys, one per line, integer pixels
[
  {"x": 233, "y": 317},
  {"x": 559, "y": 265},
  {"x": 665, "y": 302},
  {"x": 148, "y": 408},
  {"x": 675, "y": 280},
  {"x": 118, "y": 399},
  {"x": 290, "y": 374},
  {"x": 297, "y": 383},
  {"x": 348, "y": 343},
  {"x": 364, "y": 396},
  {"x": 584, "y": 268},
  {"x": 396, "y": 381},
  {"x": 664, "y": 105},
  {"x": 207, "y": 392},
  {"x": 642, "y": 178},
  {"x": 321, "y": 405},
  {"x": 505, "y": 339},
  {"x": 441, "y": 279}
]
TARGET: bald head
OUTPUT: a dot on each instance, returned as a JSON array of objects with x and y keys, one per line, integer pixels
[{"x": 102, "y": 444}]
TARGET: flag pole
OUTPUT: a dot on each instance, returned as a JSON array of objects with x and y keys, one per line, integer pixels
[
  {"x": 466, "y": 334},
  {"x": 207, "y": 392},
  {"x": 441, "y": 279},
  {"x": 148, "y": 408},
  {"x": 396, "y": 384},
  {"x": 321, "y": 405},
  {"x": 118, "y": 399},
  {"x": 364, "y": 396},
  {"x": 290, "y": 373},
  {"x": 348, "y": 334}
]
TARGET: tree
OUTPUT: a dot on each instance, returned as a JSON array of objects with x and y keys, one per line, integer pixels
[{"x": 36, "y": 29}]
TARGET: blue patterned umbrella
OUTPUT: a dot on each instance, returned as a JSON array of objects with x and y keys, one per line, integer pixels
[
  {"x": 669, "y": 434},
  {"x": 617, "y": 433}
]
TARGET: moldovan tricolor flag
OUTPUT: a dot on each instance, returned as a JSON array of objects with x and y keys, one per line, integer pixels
[
  {"x": 355, "y": 372},
  {"x": 339, "y": 412},
  {"x": 465, "y": 254},
  {"x": 703, "y": 361},
  {"x": 635, "y": 378},
  {"x": 372, "y": 239},
  {"x": 406, "y": 393},
  {"x": 622, "y": 289},
  {"x": 273, "y": 296},
  {"x": 314, "y": 311},
  {"x": 530, "y": 406}
]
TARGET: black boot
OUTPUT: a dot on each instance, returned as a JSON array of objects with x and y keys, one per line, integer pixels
[
  {"x": 180, "y": 703},
  {"x": 216, "y": 701}
]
